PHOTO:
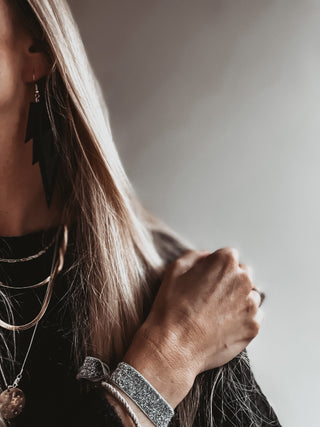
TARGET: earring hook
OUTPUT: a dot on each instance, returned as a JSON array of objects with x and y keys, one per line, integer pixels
[{"x": 36, "y": 89}]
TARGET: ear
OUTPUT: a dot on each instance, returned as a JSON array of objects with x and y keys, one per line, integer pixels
[{"x": 36, "y": 61}]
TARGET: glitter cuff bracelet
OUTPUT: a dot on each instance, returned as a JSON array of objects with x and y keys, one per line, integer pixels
[{"x": 143, "y": 394}]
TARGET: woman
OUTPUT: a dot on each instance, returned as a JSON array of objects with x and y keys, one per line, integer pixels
[{"x": 86, "y": 270}]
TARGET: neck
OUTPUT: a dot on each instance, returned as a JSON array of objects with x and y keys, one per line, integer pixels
[{"x": 23, "y": 207}]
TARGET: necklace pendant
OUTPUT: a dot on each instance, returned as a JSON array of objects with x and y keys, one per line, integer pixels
[{"x": 12, "y": 401}]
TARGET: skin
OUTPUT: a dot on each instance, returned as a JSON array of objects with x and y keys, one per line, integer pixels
[
  {"x": 22, "y": 201},
  {"x": 206, "y": 311}
]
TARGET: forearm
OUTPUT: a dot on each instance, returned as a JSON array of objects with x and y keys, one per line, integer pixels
[
  {"x": 167, "y": 369},
  {"x": 169, "y": 376}
]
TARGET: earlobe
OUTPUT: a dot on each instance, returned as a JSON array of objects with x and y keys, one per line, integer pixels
[{"x": 37, "y": 63}]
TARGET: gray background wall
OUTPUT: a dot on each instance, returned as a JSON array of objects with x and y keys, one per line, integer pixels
[{"x": 214, "y": 106}]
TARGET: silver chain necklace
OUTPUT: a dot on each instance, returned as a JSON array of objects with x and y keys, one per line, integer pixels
[
  {"x": 12, "y": 399},
  {"x": 12, "y": 393}
]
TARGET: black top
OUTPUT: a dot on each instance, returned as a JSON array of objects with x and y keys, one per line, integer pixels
[{"x": 53, "y": 395}]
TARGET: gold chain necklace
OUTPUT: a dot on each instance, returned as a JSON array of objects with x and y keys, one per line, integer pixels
[
  {"x": 36, "y": 285},
  {"x": 12, "y": 399},
  {"x": 58, "y": 267},
  {"x": 30, "y": 257}
]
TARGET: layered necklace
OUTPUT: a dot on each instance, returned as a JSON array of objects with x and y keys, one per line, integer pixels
[{"x": 12, "y": 398}]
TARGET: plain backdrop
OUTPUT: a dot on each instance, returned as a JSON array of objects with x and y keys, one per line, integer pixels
[{"x": 214, "y": 107}]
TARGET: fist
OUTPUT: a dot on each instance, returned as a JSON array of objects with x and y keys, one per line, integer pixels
[{"x": 207, "y": 309}]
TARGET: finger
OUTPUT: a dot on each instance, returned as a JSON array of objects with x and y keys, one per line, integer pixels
[
  {"x": 255, "y": 296},
  {"x": 248, "y": 270},
  {"x": 232, "y": 254},
  {"x": 259, "y": 316},
  {"x": 186, "y": 261},
  {"x": 263, "y": 296},
  {"x": 254, "y": 324}
]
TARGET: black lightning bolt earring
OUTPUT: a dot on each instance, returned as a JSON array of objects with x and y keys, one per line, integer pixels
[{"x": 39, "y": 128}]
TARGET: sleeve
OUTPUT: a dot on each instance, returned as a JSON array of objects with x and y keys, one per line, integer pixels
[{"x": 95, "y": 410}]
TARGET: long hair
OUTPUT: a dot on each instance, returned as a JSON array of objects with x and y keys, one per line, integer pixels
[{"x": 121, "y": 248}]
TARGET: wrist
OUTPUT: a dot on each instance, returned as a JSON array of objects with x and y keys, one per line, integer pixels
[{"x": 162, "y": 363}]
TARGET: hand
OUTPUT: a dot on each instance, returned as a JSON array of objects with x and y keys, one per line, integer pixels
[
  {"x": 205, "y": 312},
  {"x": 208, "y": 305}
]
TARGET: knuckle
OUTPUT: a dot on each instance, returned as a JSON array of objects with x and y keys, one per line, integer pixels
[
  {"x": 254, "y": 327},
  {"x": 251, "y": 305},
  {"x": 249, "y": 271},
  {"x": 180, "y": 262},
  {"x": 229, "y": 253},
  {"x": 247, "y": 275},
  {"x": 246, "y": 282},
  {"x": 184, "y": 262}
]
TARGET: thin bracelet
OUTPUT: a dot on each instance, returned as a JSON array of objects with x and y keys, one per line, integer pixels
[{"x": 115, "y": 393}]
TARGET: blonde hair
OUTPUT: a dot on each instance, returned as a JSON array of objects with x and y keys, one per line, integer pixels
[{"x": 121, "y": 249}]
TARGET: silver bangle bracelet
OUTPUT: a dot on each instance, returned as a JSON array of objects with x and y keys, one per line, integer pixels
[
  {"x": 143, "y": 394},
  {"x": 133, "y": 384},
  {"x": 114, "y": 392}
]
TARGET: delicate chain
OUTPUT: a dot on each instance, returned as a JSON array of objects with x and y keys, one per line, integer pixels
[
  {"x": 37, "y": 255},
  {"x": 19, "y": 376},
  {"x": 58, "y": 267},
  {"x": 36, "y": 285},
  {"x": 54, "y": 272},
  {"x": 3, "y": 377}
]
